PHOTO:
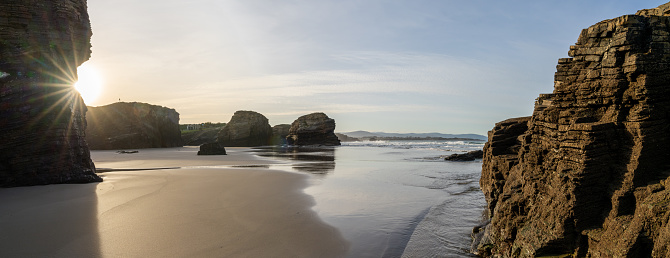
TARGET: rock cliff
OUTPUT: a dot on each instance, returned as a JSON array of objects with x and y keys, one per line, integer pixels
[
  {"x": 42, "y": 117},
  {"x": 587, "y": 174},
  {"x": 313, "y": 129},
  {"x": 246, "y": 129},
  {"x": 124, "y": 125}
]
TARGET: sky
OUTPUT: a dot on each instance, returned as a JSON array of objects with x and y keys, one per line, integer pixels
[{"x": 448, "y": 66}]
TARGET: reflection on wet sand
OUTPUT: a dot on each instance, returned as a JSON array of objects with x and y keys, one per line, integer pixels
[{"x": 313, "y": 160}]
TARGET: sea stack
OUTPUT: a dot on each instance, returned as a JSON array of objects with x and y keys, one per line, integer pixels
[
  {"x": 42, "y": 121},
  {"x": 587, "y": 174},
  {"x": 246, "y": 129},
  {"x": 131, "y": 125},
  {"x": 313, "y": 129}
]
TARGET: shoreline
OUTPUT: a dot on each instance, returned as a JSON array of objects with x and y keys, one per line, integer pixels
[
  {"x": 378, "y": 197},
  {"x": 189, "y": 211}
]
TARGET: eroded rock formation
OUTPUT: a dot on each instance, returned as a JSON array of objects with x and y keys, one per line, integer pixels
[
  {"x": 42, "y": 117},
  {"x": 589, "y": 175},
  {"x": 131, "y": 125},
  {"x": 246, "y": 129},
  {"x": 313, "y": 129}
]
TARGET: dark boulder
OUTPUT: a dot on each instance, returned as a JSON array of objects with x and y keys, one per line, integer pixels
[{"x": 213, "y": 148}]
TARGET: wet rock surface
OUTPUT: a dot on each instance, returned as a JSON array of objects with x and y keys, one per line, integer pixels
[
  {"x": 589, "y": 175},
  {"x": 313, "y": 129},
  {"x": 42, "y": 121},
  {"x": 132, "y": 125}
]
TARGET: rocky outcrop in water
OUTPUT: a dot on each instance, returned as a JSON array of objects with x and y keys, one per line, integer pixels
[
  {"x": 587, "y": 174},
  {"x": 42, "y": 118},
  {"x": 246, "y": 129},
  {"x": 313, "y": 129},
  {"x": 468, "y": 156},
  {"x": 125, "y": 125}
]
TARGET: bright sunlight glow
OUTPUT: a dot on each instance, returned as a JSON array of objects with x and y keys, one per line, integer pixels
[{"x": 89, "y": 84}]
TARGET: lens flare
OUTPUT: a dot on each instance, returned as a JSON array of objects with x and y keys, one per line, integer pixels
[{"x": 89, "y": 84}]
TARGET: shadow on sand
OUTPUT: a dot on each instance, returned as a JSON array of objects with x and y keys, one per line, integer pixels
[{"x": 49, "y": 221}]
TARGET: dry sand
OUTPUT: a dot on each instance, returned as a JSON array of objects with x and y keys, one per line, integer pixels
[{"x": 188, "y": 212}]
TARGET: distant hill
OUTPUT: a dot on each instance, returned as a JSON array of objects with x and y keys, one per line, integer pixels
[{"x": 366, "y": 134}]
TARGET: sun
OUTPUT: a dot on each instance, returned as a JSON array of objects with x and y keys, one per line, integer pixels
[{"x": 89, "y": 84}]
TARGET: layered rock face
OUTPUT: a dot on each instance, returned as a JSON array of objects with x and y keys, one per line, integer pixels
[
  {"x": 246, "y": 129},
  {"x": 500, "y": 156},
  {"x": 589, "y": 175},
  {"x": 313, "y": 129},
  {"x": 42, "y": 117},
  {"x": 125, "y": 125}
]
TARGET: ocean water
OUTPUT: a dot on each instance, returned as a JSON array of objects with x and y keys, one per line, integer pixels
[{"x": 393, "y": 198}]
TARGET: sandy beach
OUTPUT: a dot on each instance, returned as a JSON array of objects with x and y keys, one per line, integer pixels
[{"x": 203, "y": 209}]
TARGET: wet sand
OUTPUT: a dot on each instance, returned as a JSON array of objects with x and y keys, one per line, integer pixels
[
  {"x": 196, "y": 211},
  {"x": 391, "y": 201}
]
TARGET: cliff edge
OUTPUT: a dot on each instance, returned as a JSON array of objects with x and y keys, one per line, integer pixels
[
  {"x": 42, "y": 118},
  {"x": 587, "y": 174}
]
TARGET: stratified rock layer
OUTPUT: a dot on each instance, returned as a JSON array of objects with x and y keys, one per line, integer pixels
[
  {"x": 42, "y": 117},
  {"x": 246, "y": 129},
  {"x": 313, "y": 129},
  {"x": 589, "y": 176},
  {"x": 133, "y": 125}
]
